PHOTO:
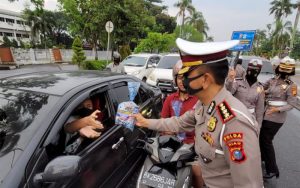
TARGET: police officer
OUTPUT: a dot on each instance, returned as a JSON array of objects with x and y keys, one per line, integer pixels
[
  {"x": 226, "y": 137},
  {"x": 248, "y": 90},
  {"x": 239, "y": 70},
  {"x": 116, "y": 65},
  {"x": 281, "y": 92}
]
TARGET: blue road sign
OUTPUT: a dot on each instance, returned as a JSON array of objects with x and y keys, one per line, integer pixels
[{"x": 246, "y": 40}]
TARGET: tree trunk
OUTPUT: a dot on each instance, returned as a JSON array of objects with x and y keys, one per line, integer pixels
[
  {"x": 182, "y": 23},
  {"x": 294, "y": 29},
  {"x": 95, "y": 48}
]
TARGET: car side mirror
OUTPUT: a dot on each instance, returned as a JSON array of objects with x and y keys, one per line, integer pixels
[{"x": 60, "y": 168}]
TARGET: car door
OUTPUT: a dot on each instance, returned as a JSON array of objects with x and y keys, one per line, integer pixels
[
  {"x": 100, "y": 159},
  {"x": 149, "y": 68}
]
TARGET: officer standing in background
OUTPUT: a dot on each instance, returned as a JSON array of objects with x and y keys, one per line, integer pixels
[
  {"x": 248, "y": 90},
  {"x": 226, "y": 137},
  {"x": 280, "y": 92},
  {"x": 240, "y": 72},
  {"x": 116, "y": 65}
]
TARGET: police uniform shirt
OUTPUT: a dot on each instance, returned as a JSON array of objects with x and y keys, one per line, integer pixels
[
  {"x": 253, "y": 97},
  {"x": 280, "y": 90},
  {"x": 226, "y": 141}
]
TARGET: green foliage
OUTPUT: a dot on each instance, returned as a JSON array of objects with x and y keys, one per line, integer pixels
[
  {"x": 22, "y": 44},
  {"x": 78, "y": 53},
  {"x": 6, "y": 42},
  {"x": 125, "y": 51},
  {"x": 95, "y": 64},
  {"x": 14, "y": 43},
  {"x": 189, "y": 33},
  {"x": 164, "y": 23},
  {"x": 296, "y": 49},
  {"x": 156, "y": 42}
]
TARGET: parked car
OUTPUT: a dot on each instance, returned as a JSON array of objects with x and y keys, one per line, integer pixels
[
  {"x": 162, "y": 75},
  {"x": 140, "y": 65},
  {"x": 33, "y": 111}
]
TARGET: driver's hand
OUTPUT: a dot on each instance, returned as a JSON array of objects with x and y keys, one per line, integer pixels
[
  {"x": 89, "y": 132},
  {"x": 140, "y": 120},
  {"x": 92, "y": 120},
  {"x": 231, "y": 74}
]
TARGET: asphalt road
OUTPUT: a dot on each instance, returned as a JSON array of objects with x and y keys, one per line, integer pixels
[{"x": 287, "y": 140}]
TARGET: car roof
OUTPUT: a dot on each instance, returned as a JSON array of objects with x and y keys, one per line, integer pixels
[
  {"x": 175, "y": 55},
  {"x": 54, "y": 83},
  {"x": 144, "y": 55}
]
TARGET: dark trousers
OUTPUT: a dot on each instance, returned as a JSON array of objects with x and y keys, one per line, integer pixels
[{"x": 267, "y": 133}]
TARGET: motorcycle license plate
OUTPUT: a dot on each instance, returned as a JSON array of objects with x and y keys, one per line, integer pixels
[{"x": 159, "y": 181}]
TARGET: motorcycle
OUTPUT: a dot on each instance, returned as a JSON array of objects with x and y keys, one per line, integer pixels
[{"x": 168, "y": 163}]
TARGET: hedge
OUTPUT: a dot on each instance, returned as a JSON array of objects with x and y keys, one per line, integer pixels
[{"x": 95, "y": 64}]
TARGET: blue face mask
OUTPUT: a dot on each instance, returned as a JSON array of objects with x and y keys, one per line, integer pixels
[{"x": 186, "y": 84}]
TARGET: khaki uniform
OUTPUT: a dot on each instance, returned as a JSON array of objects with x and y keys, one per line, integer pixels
[
  {"x": 253, "y": 97},
  {"x": 280, "y": 90},
  {"x": 226, "y": 141},
  {"x": 116, "y": 68}
]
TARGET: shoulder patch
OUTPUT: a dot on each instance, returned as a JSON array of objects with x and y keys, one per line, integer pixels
[
  {"x": 294, "y": 90},
  {"x": 236, "y": 151},
  {"x": 225, "y": 112},
  {"x": 289, "y": 81},
  {"x": 232, "y": 136}
]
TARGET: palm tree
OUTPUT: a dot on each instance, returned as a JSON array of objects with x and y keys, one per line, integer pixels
[
  {"x": 281, "y": 8},
  {"x": 297, "y": 6},
  {"x": 184, "y": 5},
  {"x": 198, "y": 21},
  {"x": 281, "y": 35},
  {"x": 259, "y": 37}
]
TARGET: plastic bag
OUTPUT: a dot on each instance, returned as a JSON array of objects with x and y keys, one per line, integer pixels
[{"x": 125, "y": 109}]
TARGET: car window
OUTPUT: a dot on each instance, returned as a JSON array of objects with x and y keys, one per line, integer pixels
[
  {"x": 20, "y": 115},
  {"x": 135, "y": 61},
  {"x": 168, "y": 62}
]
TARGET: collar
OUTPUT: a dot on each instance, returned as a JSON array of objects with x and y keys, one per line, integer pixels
[{"x": 219, "y": 98}]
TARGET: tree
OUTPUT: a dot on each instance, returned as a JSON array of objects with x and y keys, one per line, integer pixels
[
  {"x": 297, "y": 6},
  {"x": 281, "y": 8},
  {"x": 296, "y": 50},
  {"x": 156, "y": 42},
  {"x": 198, "y": 21},
  {"x": 78, "y": 53},
  {"x": 6, "y": 42},
  {"x": 189, "y": 33},
  {"x": 184, "y": 5},
  {"x": 259, "y": 37},
  {"x": 281, "y": 36},
  {"x": 164, "y": 23},
  {"x": 14, "y": 43}
]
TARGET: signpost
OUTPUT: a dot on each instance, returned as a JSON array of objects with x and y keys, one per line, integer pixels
[
  {"x": 109, "y": 26},
  {"x": 246, "y": 39}
]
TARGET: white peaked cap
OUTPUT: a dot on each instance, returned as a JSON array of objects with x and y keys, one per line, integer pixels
[
  {"x": 256, "y": 62},
  {"x": 288, "y": 60},
  {"x": 204, "y": 48}
]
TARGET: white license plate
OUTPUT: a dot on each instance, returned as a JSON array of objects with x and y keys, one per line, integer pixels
[{"x": 159, "y": 181}]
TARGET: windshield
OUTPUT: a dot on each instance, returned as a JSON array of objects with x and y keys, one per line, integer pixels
[
  {"x": 19, "y": 114},
  {"x": 135, "y": 61},
  {"x": 266, "y": 68},
  {"x": 168, "y": 62}
]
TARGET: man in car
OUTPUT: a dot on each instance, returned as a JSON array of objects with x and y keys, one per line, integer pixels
[
  {"x": 116, "y": 66},
  {"x": 248, "y": 90},
  {"x": 226, "y": 133},
  {"x": 83, "y": 124}
]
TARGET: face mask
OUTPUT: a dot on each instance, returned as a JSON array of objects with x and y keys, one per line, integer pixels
[
  {"x": 252, "y": 73},
  {"x": 186, "y": 84},
  {"x": 83, "y": 112}
]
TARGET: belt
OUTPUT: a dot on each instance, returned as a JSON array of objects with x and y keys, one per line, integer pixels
[
  {"x": 277, "y": 103},
  {"x": 251, "y": 110}
]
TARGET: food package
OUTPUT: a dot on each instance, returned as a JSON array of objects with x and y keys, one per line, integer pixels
[{"x": 123, "y": 118}]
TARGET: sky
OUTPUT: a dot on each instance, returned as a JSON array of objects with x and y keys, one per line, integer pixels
[{"x": 222, "y": 16}]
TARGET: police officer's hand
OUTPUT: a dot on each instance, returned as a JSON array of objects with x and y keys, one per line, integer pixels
[
  {"x": 272, "y": 110},
  {"x": 140, "y": 120},
  {"x": 91, "y": 120},
  {"x": 231, "y": 74},
  {"x": 89, "y": 132}
]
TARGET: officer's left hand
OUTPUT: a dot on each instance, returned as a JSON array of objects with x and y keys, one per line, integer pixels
[{"x": 272, "y": 110}]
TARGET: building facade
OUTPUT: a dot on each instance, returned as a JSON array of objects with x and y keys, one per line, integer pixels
[{"x": 13, "y": 26}]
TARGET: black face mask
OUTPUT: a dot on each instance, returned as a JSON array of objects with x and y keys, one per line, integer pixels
[
  {"x": 251, "y": 76},
  {"x": 83, "y": 112},
  {"x": 186, "y": 84}
]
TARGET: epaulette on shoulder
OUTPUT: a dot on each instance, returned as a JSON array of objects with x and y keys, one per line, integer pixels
[
  {"x": 225, "y": 112},
  {"x": 288, "y": 81}
]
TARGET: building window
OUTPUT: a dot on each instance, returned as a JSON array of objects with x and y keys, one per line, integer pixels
[
  {"x": 10, "y": 20},
  {"x": 25, "y": 36},
  {"x": 8, "y": 34},
  {"x": 2, "y": 19},
  {"x": 19, "y": 35},
  {"x": 20, "y": 22}
]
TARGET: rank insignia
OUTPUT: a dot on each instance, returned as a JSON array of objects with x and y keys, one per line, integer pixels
[
  {"x": 211, "y": 107},
  {"x": 284, "y": 86},
  {"x": 294, "y": 90},
  {"x": 236, "y": 150},
  {"x": 225, "y": 112},
  {"x": 211, "y": 125},
  {"x": 232, "y": 136},
  {"x": 208, "y": 138}
]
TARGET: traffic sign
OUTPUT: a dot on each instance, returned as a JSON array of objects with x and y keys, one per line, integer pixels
[
  {"x": 246, "y": 40},
  {"x": 109, "y": 26}
]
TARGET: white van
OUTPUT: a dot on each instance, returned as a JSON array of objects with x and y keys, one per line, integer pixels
[
  {"x": 162, "y": 76},
  {"x": 140, "y": 65}
]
